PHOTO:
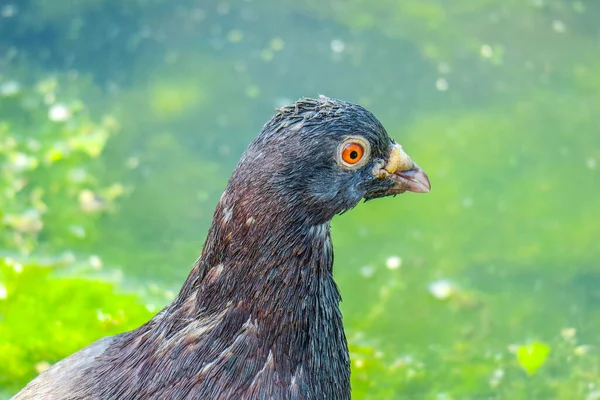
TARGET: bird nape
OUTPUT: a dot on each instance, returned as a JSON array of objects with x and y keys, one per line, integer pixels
[{"x": 258, "y": 317}]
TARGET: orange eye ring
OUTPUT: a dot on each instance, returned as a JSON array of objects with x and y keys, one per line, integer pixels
[{"x": 352, "y": 153}]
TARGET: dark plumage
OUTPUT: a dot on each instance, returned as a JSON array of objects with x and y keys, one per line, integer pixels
[{"x": 258, "y": 316}]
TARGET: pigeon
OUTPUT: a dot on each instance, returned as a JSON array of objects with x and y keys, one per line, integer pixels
[{"x": 258, "y": 316}]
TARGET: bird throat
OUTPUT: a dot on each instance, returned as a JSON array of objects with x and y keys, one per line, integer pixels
[{"x": 264, "y": 282}]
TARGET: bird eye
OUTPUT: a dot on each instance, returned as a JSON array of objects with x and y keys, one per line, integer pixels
[{"x": 353, "y": 152}]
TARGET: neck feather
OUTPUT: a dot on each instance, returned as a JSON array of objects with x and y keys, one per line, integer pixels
[{"x": 270, "y": 271}]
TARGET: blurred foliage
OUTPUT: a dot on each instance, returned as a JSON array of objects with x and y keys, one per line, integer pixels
[
  {"x": 77, "y": 311},
  {"x": 120, "y": 122}
]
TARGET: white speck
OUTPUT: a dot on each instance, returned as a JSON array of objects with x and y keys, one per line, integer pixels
[
  {"x": 319, "y": 230},
  {"x": 595, "y": 395},
  {"x": 558, "y": 26},
  {"x": 337, "y": 46},
  {"x": 442, "y": 289},
  {"x": 3, "y": 292},
  {"x": 367, "y": 271},
  {"x": 223, "y": 8},
  {"x": 10, "y": 88},
  {"x": 227, "y": 214},
  {"x": 77, "y": 175},
  {"x": 277, "y": 44},
  {"x": 359, "y": 363},
  {"x": 568, "y": 333},
  {"x": 59, "y": 112},
  {"x": 496, "y": 377},
  {"x": 467, "y": 202},
  {"x": 224, "y": 150},
  {"x": 538, "y": 3},
  {"x": 8, "y": 11},
  {"x": 18, "y": 268},
  {"x": 581, "y": 350},
  {"x": 578, "y": 7},
  {"x": 151, "y": 307},
  {"x": 68, "y": 257},
  {"x": 95, "y": 262},
  {"x": 33, "y": 144},
  {"x": 444, "y": 68},
  {"x": 441, "y": 84},
  {"x": 393, "y": 262},
  {"x": 235, "y": 36},
  {"x": 486, "y": 51},
  {"x": 132, "y": 162},
  {"x": 21, "y": 161},
  {"x": 102, "y": 316},
  {"x": 77, "y": 231},
  {"x": 42, "y": 366},
  {"x": 250, "y": 221},
  {"x": 591, "y": 163}
]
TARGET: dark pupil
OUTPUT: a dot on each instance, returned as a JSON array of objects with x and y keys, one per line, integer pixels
[{"x": 353, "y": 154}]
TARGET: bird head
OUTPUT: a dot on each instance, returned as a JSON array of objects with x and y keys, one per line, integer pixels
[{"x": 321, "y": 157}]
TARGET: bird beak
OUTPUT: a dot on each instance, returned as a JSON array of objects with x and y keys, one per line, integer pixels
[{"x": 406, "y": 174}]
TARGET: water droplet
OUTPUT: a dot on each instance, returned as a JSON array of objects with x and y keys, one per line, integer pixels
[
  {"x": 486, "y": 51},
  {"x": 578, "y": 7},
  {"x": 337, "y": 46},
  {"x": 277, "y": 44},
  {"x": 101, "y": 316},
  {"x": 538, "y": 3},
  {"x": 568, "y": 333},
  {"x": 442, "y": 289},
  {"x": 591, "y": 163},
  {"x": 558, "y": 26},
  {"x": 132, "y": 162},
  {"x": 95, "y": 262},
  {"x": 267, "y": 55},
  {"x": 581, "y": 350},
  {"x": 235, "y": 36},
  {"x": 441, "y": 84},
  {"x": 393, "y": 262},
  {"x": 10, "y": 88},
  {"x": 253, "y": 91},
  {"x": 8, "y": 11},
  {"x": 77, "y": 231},
  {"x": 42, "y": 366},
  {"x": 496, "y": 377},
  {"x": 59, "y": 113},
  {"x": 444, "y": 68},
  {"x": 367, "y": 271}
]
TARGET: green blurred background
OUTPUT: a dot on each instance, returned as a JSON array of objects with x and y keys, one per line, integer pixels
[{"x": 121, "y": 121}]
